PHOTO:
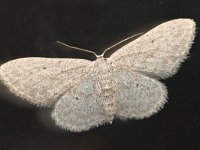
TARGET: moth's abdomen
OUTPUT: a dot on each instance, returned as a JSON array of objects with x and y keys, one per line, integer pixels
[
  {"x": 106, "y": 86},
  {"x": 108, "y": 97}
]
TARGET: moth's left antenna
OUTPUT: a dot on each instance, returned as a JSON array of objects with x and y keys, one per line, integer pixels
[{"x": 77, "y": 48}]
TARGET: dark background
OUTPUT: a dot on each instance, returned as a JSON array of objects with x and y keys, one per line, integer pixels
[{"x": 30, "y": 28}]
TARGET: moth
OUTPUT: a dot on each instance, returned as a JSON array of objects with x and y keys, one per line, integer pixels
[{"x": 86, "y": 94}]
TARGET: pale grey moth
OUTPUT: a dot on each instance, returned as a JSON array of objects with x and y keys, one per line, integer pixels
[{"x": 86, "y": 94}]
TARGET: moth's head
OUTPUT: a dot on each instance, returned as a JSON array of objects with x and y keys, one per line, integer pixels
[{"x": 100, "y": 56}]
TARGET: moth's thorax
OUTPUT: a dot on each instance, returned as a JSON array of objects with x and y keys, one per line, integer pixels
[
  {"x": 101, "y": 64},
  {"x": 106, "y": 85},
  {"x": 102, "y": 68}
]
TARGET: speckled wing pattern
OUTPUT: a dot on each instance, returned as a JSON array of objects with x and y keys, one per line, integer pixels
[
  {"x": 43, "y": 81},
  {"x": 138, "y": 96},
  {"x": 87, "y": 94},
  {"x": 79, "y": 109},
  {"x": 138, "y": 64},
  {"x": 159, "y": 52}
]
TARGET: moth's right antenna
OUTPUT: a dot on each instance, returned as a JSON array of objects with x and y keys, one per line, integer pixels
[
  {"x": 77, "y": 48},
  {"x": 121, "y": 42}
]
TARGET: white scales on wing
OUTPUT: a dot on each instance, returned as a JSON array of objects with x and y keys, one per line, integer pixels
[{"x": 86, "y": 94}]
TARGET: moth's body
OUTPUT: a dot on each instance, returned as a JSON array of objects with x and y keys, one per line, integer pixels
[
  {"x": 87, "y": 94},
  {"x": 106, "y": 85}
]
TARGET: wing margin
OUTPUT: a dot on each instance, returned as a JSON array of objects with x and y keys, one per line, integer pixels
[
  {"x": 39, "y": 80},
  {"x": 159, "y": 52}
]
